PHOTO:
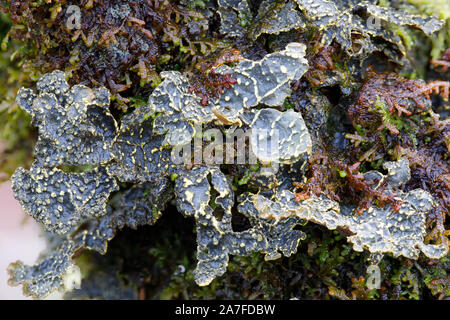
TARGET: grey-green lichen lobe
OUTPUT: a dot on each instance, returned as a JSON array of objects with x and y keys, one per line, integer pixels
[
  {"x": 275, "y": 218},
  {"x": 143, "y": 203},
  {"x": 275, "y": 17},
  {"x": 265, "y": 81},
  {"x": 45, "y": 277},
  {"x": 192, "y": 190},
  {"x": 321, "y": 12},
  {"x": 235, "y": 15},
  {"x": 180, "y": 111},
  {"x": 385, "y": 229},
  {"x": 378, "y": 230},
  {"x": 60, "y": 200},
  {"x": 215, "y": 238},
  {"x": 139, "y": 154},
  {"x": 279, "y": 136},
  {"x": 53, "y": 83},
  {"x": 74, "y": 205},
  {"x": 272, "y": 221},
  {"x": 214, "y": 245},
  {"x": 400, "y": 233},
  {"x": 172, "y": 97},
  {"x": 340, "y": 20},
  {"x": 75, "y": 125},
  {"x": 428, "y": 25},
  {"x": 324, "y": 13},
  {"x": 138, "y": 206},
  {"x": 398, "y": 172},
  {"x": 282, "y": 205},
  {"x": 280, "y": 235}
]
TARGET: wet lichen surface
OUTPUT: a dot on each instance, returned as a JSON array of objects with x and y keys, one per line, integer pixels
[{"x": 228, "y": 149}]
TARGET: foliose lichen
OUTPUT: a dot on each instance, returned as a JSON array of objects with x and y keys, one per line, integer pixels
[
  {"x": 75, "y": 125},
  {"x": 349, "y": 147},
  {"x": 381, "y": 230}
]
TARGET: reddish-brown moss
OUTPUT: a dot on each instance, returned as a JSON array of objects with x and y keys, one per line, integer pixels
[
  {"x": 119, "y": 44},
  {"x": 443, "y": 63},
  {"x": 340, "y": 182},
  {"x": 388, "y": 101},
  {"x": 205, "y": 82},
  {"x": 321, "y": 62}
]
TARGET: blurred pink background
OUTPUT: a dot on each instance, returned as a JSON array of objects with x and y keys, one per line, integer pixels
[{"x": 19, "y": 240}]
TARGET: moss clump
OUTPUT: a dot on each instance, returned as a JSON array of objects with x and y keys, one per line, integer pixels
[{"x": 114, "y": 44}]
